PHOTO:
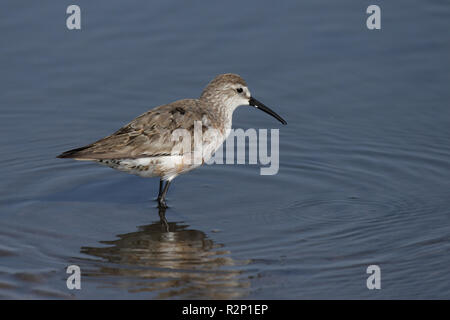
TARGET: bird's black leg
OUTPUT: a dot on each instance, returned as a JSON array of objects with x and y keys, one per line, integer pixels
[
  {"x": 161, "y": 183},
  {"x": 162, "y": 197}
]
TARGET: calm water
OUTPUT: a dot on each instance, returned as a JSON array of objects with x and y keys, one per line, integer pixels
[{"x": 364, "y": 161}]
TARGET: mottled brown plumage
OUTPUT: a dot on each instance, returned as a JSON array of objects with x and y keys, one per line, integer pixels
[{"x": 148, "y": 135}]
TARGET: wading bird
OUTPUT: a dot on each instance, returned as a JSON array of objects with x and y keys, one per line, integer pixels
[{"x": 146, "y": 146}]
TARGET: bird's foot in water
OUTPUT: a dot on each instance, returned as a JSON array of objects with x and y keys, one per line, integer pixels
[{"x": 162, "y": 203}]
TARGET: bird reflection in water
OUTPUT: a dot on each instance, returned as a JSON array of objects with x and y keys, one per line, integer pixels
[{"x": 170, "y": 260}]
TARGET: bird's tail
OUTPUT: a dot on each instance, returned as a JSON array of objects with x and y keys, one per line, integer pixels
[{"x": 72, "y": 153}]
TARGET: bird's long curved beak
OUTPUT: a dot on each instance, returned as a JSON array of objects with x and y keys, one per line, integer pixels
[{"x": 255, "y": 103}]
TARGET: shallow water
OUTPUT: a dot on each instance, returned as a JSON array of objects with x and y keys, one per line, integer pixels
[{"x": 364, "y": 160}]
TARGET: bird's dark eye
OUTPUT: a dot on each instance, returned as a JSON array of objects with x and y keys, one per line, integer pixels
[{"x": 239, "y": 90}]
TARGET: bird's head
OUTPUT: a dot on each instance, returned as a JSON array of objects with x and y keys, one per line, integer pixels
[{"x": 231, "y": 91}]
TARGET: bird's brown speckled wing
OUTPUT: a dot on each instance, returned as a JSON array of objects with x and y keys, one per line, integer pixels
[{"x": 148, "y": 135}]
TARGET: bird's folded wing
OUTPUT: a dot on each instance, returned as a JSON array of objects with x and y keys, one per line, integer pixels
[{"x": 149, "y": 135}]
